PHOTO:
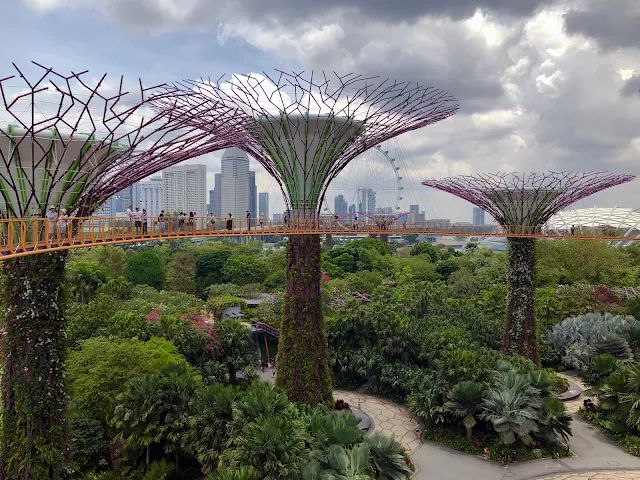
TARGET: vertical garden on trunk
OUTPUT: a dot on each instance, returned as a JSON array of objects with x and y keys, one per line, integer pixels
[
  {"x": 522, "y": 204},
  {"x": 304, "y": 128}
]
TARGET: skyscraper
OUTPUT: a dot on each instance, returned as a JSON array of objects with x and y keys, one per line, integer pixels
[
  {"x": 478, "y": 216},
  {"x": 367, "y": 200},
  {"x": 184, "y": 189},
  {"x": 253, "y": 195},
  {"x": 352, "y": 211},
  {"x": 215, "y": 196},
  {"x": 340, "y": 205},
  {"x": 150, "y": 196},
  {"x": 263, "y": 204},
  {"x": 414, "y": 211},
  {"x": 234, "y": 188}
]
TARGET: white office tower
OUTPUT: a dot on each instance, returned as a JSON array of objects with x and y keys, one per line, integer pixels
[
  {"x": 184, "y": 189},
  {"x": 108, "y": 208},
  {"x": 150, "y": 196},
  {"x": 263, "y": 204},
  {"x": 235, "y": 189}
]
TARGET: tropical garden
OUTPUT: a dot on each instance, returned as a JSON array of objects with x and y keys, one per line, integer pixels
[{"x": 162, "y": 385}]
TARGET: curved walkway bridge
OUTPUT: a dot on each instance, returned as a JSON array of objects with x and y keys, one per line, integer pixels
[{"x": 28, "y": 236}]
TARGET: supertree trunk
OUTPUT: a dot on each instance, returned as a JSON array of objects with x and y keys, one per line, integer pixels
[
  {"x": 34, "y": 410},
  {"x": 328, "y": 241},
  {"x": 520, "y": 335},
  {"x": 303, "y": 369}
]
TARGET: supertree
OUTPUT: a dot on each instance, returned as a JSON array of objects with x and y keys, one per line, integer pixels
[
  {"x": 69, "y": 141},
  {"x": 383, "y": 221},
  {"x": 304, "y": 130},
  {"x": 522, "y": 203}
]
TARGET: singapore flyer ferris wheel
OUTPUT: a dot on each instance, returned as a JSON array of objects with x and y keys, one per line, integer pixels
[{"x": 372, "y": 183}]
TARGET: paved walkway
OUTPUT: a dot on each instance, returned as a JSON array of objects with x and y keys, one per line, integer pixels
[{"x": 595, "y": 456}]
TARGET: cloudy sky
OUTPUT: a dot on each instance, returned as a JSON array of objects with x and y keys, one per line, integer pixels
[{"x": 542, "y": 84}]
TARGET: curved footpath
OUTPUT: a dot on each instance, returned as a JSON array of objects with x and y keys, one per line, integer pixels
[{"x": 595, "y": 456}]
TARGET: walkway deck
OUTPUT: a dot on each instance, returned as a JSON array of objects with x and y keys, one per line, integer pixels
[{"x": 28, "y": 236}]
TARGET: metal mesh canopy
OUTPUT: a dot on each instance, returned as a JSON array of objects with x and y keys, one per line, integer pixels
[
  {"x": 614, "y": 217},
  {"x": 526, "y": 199},
  {"x": 305, "y": 128},
  {"x": 71, "y": 141}
]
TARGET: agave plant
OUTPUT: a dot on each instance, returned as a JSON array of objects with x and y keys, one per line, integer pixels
[
  {"x": 511, "y": 404},
  {"x": 464, "y": 402},
  {"x": 577, "y": 339},
  {"x": 348, "y": 464}
]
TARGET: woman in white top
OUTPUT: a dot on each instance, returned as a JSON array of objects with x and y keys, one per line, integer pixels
[
  {"x": 52, "y": 218},
  {"x": 62, "y": 222}
]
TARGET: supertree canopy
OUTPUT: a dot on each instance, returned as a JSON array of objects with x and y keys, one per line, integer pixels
[
  {"x": 521, "y": 203},
  {"x": 304, "y": 129},
  {"x": 383, "y": 220},
  {"x": 68, "y": 141}
]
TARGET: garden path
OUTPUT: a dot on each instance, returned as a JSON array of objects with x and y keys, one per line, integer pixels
[{"x": 596, "y": 457}]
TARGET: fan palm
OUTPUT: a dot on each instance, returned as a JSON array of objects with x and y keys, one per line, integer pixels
[
  {"x": 273, "y": 446},
  {"x": 554, "y": 420},
  {"x": 464, "y": 402},
  {"x": 207, "y": 434},
  {"x": 238, "y": 473},
  {"x": 387, "y": 457},
  {"x": 259, "y": 400},
  {"x": 512, "y": 405}
]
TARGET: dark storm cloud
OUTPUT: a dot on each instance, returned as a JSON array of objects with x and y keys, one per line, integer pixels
[
  {"x": 209, "y": 12},
  {"x": 631, "y": 86},
  {"x": 613, "y": 24},
  {"x": 393, "y": 11}
]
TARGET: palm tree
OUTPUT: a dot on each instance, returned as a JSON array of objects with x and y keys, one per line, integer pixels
[
  {"x": 511, "y": 404},
  {"x": 464, "y": 402},
  {"x": 273, "y": 446},
  {"x": 135, "y": 417},
  {"x": 387, "y": 458},
  {"x": 207, "y": 435},
  {"x": 118, "y": 288},
  {"x": 238, "y": 473},
  {"x": 259, "y": 400},
  {"x": 554, "y": 420},
  {"x": 84, "y": 280}
]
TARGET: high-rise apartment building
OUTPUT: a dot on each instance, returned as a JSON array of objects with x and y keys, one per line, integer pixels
[
  {"x": 340, "y": 205},
  {"x": 184, "y": 189},
  {"x": 352, "y": 211},
  {"x": 367, "y": 200},
  {"x": 263, "y": 204},
  {"x": 253, "y": 195},
  {"x": 277, "y": 217},
  {"x": 215, "y": 196},
  {"x": 478, "y": 216},
  {"x": 150, "y": 196},
  {"x": 235, "y": 186}
]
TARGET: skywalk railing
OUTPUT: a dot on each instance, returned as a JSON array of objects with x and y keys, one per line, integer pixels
[{"x": 25, "y": 236}]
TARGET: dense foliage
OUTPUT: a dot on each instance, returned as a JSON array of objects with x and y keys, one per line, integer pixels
[{"x": 161, "y": 384}]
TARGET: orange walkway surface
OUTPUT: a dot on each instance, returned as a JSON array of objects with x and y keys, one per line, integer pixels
[{"x": 28, "y": 236}]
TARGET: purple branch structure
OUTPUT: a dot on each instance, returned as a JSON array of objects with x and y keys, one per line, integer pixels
[
  {"x": 69, "y": 141},
  {"x": 521, "y": 204},
  {"x": 304, "y": 128},
  {"x": 383, "y": 221}
]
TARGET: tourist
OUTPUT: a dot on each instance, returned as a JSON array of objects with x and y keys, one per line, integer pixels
[
  {"x": 355, "y": 223},
  {"x": 573, "y": 230},
  {"x": 191, "y": 222},
  {"x": 212, "y": 222},
  {"x": 181, "y": 217},
  {"x": 162, "y": 222},
  {"x": 130, "y": 218},
  {"x": 248, "y": 220},
  {"x": 261, "y": 220},
  {"x": 230, "y": 222},
  {"x": 143, "y": 218},
  {"x": 62, "y": 222},
  {"x": 52, "y": 218},
  {"x": 137, "y": 216},
  {"x": 418, "y": 430}
]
